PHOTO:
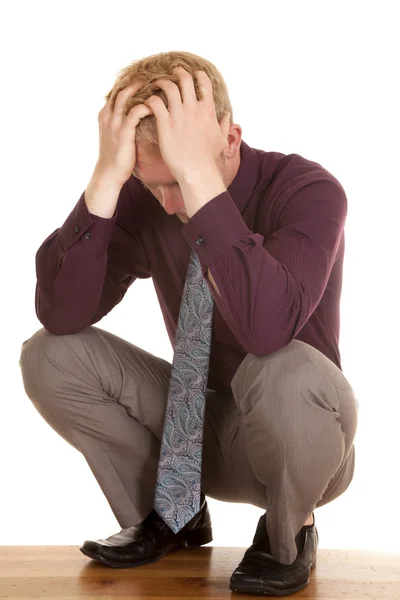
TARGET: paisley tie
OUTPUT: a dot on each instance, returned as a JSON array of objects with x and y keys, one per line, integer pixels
[{"x": 178, "y": 485}]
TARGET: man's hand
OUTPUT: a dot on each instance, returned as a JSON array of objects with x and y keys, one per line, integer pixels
[{"x": 189, "y": 135}]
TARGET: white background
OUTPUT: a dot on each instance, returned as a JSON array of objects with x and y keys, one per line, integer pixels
[{"x": 315, "y": 78}]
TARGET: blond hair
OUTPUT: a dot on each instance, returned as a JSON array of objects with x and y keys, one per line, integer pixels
[{"x": 159, "y": 66}]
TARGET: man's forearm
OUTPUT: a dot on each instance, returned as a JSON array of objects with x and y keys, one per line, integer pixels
[{"x": 197, "y": 192}]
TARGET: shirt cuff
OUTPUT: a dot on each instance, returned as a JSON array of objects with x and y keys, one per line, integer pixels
[
  {"x": 218, "y": 225},
  {"x": 89, "y": 234}
]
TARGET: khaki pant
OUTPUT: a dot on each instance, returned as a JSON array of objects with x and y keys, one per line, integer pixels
[{"x": 283, "y": 441}]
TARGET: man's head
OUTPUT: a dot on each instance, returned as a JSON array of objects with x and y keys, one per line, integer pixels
[
  {"x": 150, "y": 168},
  {"x": 155, "y": 175}
]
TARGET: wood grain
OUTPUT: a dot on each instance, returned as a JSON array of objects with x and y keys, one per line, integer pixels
[{"x": 38, "y": 572}]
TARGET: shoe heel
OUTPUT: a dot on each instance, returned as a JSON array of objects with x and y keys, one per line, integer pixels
[
  {"x": 314, "y": 560},
  {"x": 198, "y": 537}
]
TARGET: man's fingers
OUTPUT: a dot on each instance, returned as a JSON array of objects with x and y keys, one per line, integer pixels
[{"x": 123, "y": 95}]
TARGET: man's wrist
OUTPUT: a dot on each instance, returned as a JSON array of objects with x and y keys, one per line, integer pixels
[
  {"x": 192, "y": 176},
  {"x": 200, "y": 187}
]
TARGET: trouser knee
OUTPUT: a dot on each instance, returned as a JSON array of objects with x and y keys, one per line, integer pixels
[
  {"x": 34, "y": 353},
  {"x": 39, "y": 375}
]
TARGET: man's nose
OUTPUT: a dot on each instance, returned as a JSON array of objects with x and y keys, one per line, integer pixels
[{"x": 172, "y": 202}]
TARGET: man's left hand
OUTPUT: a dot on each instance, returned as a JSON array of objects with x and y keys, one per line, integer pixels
[{"x": 189, "y": 135}]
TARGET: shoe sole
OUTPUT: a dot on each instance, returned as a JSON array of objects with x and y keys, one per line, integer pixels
[
  {"x": 117, "y": 565},
  {"x": 266, "y": 590}
]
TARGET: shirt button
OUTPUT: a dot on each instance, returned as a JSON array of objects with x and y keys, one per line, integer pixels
[
  {"x": 76, "y": 229},
  {"x": 199, "y": 241},
  {"x": 87, "y": 235}
]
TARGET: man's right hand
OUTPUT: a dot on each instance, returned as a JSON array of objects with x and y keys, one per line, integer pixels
[{"x": 117, "y": 137}]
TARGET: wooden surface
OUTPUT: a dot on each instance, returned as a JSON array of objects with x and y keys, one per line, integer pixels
[{"x": 36, "y": 572}]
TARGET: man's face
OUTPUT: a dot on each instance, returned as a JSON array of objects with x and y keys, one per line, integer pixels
[{"x": 155, "y": 175}]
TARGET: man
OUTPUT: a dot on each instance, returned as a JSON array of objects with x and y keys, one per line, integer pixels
[{"x": 268, "y": 229}]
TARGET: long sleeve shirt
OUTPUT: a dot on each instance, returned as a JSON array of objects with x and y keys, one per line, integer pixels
[{"x": 273, "y": 242}]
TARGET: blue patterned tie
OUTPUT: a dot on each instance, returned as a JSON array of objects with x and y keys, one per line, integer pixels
[{"x": 178, "y": 486}]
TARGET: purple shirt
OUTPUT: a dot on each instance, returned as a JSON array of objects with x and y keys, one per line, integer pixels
[{"x": 274, "y": 243}]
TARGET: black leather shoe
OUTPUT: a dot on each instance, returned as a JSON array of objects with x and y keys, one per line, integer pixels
[
  {"x": 152, "y": 539},
  {"x": 260, "y": 573}
]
